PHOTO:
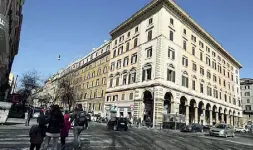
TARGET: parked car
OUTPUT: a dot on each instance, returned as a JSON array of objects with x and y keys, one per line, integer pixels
[
  {"x": 241, "y": 130},
  {"x": 194, "y": 127},
  {"x": 222, "y": 129},
  {"x": 117, "y": 124},
  {"x": 206, "y": 128}
]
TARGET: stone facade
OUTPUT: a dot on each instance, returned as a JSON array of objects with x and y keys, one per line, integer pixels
[
  {"x": 180, "y": 71},
  {"x": 247, "y": 99},
  {"x": 10, "y": 27}
]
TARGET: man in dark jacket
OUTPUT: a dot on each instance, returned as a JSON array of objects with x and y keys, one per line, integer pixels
[
  {"x": 80, "y": 123},
  {"x": 55, "y": 124},
  {"x": 30, "y": 113}
]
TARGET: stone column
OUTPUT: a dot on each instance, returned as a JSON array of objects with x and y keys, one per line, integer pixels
[
  {"x": 196, "y": 115},
  {"x": 222, "y": 117},
  {"x": 216, "y": 117},
  {"x": 227, "y": 118},
  {"x": 210, "y": 117},
  {"x": 204, "y": 117},
  {"x": 187, "y": 114}
]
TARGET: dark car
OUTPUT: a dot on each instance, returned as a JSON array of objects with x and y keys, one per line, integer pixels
[
  {"x": 192, "y": 128},
  {"x": 117, "y": 124}
]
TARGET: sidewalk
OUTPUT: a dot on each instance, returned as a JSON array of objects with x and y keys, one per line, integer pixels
[{"x": 17, "y": 124}]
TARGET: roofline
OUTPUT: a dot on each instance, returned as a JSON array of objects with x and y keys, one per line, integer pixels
[{"x": 171, "y": 3}]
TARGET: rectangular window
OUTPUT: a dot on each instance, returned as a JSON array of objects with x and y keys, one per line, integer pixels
[
  {"x": 135, "y": 42},
  {"x": 103, "y": 80},
  {"x": 115, "y": 98},
  {"x": 120, "y": 50},
  {"x": 123, "y": 97},
  {"x": 171, "y": 53},
  {"x": 128, "y": 34},
  {"x": 117, "y": 81},
  {"x": 150, "y": 35},
  {"x": 207, "y": 49},
  {"x": 134, "y": 58},
  {"x": 171, "y": 35},
  {"x": 202, "y": 71},
  {"x": 247, "y": 94},
  {"x": 208, "y": 61},
  {"x": 150, "y": 21},
  {"x": 125, "y": 63},
  {"x": 208, "y": 75},
  {"x": 193, "y": 85},
  {"x": 124, "y": 79},
  {"x": 114, "y": 53},
  {"x": 214, "y": 78},
  {"x": 111, "y": 82},
  {"x": 201, "y": 56},
  {"x": 97, "y": 82},
  {"x": 171, "y": 21},
  {"x": 209, "y": 91},
  {"x": 136, "y": 29},
  {"x": 201, "y": 88},
  {"x": 108, "y": 98},
  {"x": 171, "y": 75},
  {"x": 201, "y": 45},
  {"x": 185, "y": 61},
  {"x": 118, "y": 64},
  {"x": 194, "y": 66},
  {"x": 127, "y": 46},
  {"x": 193, "y": 51},
  {"x": 193, "y": 38},
  {"x": 248, "y": 100},
  {"x": 184, "y": 45},
  {"x": 149, "y": 52},
  {"x": 131, "y": 96},
  {"x": 185, "y": 81},
  {"x": 184, "y": 31}
]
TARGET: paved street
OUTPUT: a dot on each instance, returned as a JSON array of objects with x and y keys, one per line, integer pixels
[{"x": 97, "y": 137}]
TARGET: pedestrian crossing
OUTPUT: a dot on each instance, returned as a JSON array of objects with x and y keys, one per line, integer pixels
[{"x": 21, "y": 141}]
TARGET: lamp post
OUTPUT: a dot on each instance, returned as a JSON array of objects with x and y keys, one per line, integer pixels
[{"x": 176, "y": 121}]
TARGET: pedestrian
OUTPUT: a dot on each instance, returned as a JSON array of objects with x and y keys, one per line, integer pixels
[
  {"x": 37, "y": 133},
  {"x": 30, "y": 111},
  {"x": 65, "y": 130},
  {"x": 56, "y": 123},
  {"x": 80, "y": 123}
]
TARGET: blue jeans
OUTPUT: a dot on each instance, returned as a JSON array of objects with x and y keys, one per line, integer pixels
[{"x": 77, "y": 131}]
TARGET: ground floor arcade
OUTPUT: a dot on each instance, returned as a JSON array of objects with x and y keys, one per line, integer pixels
[{"x": 166, "y": 105}]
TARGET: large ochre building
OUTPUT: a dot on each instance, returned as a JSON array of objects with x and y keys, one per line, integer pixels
[
  {"x": 88, "y": 77},
  {"x": 165, "y": 66}
]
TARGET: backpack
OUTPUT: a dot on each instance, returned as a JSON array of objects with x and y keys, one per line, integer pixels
[{"x": 81, "y": 119}]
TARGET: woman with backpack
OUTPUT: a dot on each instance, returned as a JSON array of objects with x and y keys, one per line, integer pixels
[
  {"x": 65, "y": 130},
  {"x": 55, "y": 124},
  {"x": 37, "y": 133}
]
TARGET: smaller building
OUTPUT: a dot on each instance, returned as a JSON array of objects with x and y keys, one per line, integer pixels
[{"x": 247, "y": 99}]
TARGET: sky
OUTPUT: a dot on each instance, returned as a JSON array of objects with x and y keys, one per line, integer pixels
[{"x": 71, "y": 28}]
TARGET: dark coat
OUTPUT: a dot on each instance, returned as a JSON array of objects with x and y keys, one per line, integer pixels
[
  {"x": 37, "y": 134},
  {"x": 56, "y": 122}
]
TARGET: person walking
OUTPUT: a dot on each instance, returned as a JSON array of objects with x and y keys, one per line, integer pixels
[
  {"x": 37, "y": 133},
  {"x": 65, "y": 130},
  {"x": 80, "y": 123},
  {"x": 55, "y": 124},
  {"x": 30, "y": 111}
]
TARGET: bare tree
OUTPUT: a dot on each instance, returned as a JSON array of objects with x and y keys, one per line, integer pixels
[
  {"x": 30, "y": 81},
  {"x": 65, "y": 93}
]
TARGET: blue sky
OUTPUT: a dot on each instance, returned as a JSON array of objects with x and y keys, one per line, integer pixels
[{"x": 71, "y": 28}]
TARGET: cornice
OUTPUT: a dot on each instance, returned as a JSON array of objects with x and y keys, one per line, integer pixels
[{"x": 183, "y": 15}]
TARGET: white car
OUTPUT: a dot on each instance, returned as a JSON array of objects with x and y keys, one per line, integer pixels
[{"x": 242, "y": 130}]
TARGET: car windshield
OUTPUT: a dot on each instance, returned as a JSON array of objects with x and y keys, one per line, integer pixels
[{"x": 220, "y": 126}]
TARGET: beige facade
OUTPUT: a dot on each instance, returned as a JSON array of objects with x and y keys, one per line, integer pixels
[
  {"x": 88, "y": 78},
  {"x": 181, "y": 73}
]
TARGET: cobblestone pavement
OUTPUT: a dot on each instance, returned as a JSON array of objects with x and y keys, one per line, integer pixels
[{"x": 97, "y": 137}]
